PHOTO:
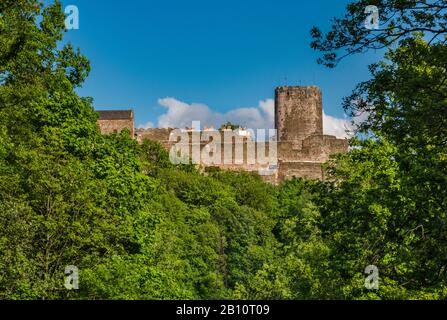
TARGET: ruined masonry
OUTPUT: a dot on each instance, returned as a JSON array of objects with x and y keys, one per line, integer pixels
[{"x": 301, "y": 145}]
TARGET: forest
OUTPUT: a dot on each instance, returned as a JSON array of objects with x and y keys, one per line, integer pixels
[{"x": 139, "y": 227}]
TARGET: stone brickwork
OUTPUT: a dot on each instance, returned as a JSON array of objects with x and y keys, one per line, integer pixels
[
  {"x": 298, "y": 113},
  {"x": 301, "y": 146},
  {"x": 114, "y": 121},
  {"x": 155, "y": 134}
]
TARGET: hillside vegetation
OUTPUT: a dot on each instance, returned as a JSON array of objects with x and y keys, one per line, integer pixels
[{"x": 138, "y": 227}]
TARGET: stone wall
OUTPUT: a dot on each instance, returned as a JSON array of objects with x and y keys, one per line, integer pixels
[
  {"x": 114, "y": 121},
  {"x": 301, "y": 146},
  {"x": 155, "y": 134},
  {"x": 115, "y": 126},
  {"x": 231, "y": 153},
  {"x": 307, "y": 170}
]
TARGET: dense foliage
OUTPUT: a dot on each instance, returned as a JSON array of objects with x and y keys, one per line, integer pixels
[{"x": 139, "y": 227}]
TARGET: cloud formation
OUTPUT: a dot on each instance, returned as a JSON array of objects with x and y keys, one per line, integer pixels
[{"x": 180, "y": 114}]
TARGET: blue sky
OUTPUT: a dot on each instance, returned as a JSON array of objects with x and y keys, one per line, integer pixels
[{"x": 226, "y": 55}]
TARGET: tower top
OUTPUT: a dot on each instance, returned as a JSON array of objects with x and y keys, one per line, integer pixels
[{"x": 297, "y": 87}]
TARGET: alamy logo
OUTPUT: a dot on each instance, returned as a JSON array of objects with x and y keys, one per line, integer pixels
[
  {"x": 72, "y": 17},
  {"x": 372, "y": 20},
  {"x": 212, "y": 147},
  {"x": 72, "y": 277},
  {"x": 372, "y": 280}
]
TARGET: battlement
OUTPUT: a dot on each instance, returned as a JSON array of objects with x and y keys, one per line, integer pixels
[
  {"x": 298, "y": 112},
  {"x": 114, "y": 121},
  {"x": 156, "y": 134}
]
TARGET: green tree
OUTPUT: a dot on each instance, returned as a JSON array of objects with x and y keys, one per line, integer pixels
[
  {"x": 399, "y": 19},
  {"x": 73, "y": 195},
  {"x": 385, "y": 201}
]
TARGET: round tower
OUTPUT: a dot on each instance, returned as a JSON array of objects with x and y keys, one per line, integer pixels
[{"x": 298, "y": 112}]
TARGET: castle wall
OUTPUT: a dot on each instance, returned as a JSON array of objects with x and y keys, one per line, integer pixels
[
  {"x": 155, "y": 134},
  {"x": 241, "y": 155},
  {"x": 116, "y": 126},
  {"x": 307, "y": 170},
  {"x": 316, "y": 148},
  {"x": 301, "y": 147},
  {"x": 336, "y": 145}
]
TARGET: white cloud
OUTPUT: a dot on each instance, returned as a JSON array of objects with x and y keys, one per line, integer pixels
[
  {"x": 147, "y": 125},
  {"x": 336, "y": 126},
  {"x": 180, "y": 115}
]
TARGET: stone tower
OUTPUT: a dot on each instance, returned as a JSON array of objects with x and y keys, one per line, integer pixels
[
  {"x": 298, "y": 113},
  {"x": 302, "y": 145}
]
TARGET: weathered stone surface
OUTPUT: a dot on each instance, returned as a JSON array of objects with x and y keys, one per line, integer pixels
[
  {"x": 307, "y": 170},
  {"x": 114, "y": 121},
  {"x": 298, "y": 112}
]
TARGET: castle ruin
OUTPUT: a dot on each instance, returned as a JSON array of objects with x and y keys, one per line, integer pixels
[{"x": 300, "y": 145}]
